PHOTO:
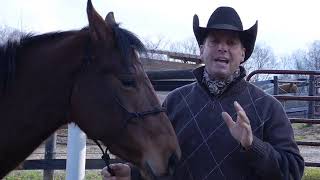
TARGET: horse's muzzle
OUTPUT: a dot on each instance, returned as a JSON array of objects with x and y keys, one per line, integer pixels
[
  {"x": 172, "y": 166},
  {"x": 173, "y": 163}
]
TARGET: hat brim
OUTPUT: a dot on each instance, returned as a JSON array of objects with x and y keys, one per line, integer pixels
[{"x": 247, "y": 37}]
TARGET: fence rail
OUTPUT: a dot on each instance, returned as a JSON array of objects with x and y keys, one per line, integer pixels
[{"x": 169, "y": 80}]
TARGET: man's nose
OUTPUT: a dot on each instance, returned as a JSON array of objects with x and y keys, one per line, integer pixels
[{"x": 222, "y": 47}]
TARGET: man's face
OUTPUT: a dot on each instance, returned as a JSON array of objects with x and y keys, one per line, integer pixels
[{"x": 222, "y": 53}]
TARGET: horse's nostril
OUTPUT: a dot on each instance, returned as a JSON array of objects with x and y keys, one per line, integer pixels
[{"x": 173, "y": 162}]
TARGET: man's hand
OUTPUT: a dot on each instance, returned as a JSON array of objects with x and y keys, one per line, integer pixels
[
  {"x": 241, "y": 128},
  {"x": 122, "y": 172}
]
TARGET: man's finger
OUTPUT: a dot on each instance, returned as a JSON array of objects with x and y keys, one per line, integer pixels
[
  {"x": 237, "y": 106},
  {"x": 118, "y": 167},
  {"x": 246, "y": 126},
  {"x": 243, "y": 117},
  {"x": 228, "y": 119},
  {"x": 105, "y": 172},
  {"x": 241, "y": 113}
]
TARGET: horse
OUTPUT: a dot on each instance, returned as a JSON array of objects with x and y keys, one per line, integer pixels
[
  {"x": 92, "y": 77},
  {"x": 284, "y": 88}
]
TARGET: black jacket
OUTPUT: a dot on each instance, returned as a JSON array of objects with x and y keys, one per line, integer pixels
[{"x": 208, "y": 149}]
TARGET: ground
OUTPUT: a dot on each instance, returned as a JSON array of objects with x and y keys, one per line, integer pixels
[{"x": 304, "y": 132}]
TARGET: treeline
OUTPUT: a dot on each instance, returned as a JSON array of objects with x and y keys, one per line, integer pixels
[{"x": 263, "y": 56}]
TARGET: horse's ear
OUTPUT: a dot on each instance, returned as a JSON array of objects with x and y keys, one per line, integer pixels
[
  {"x": 99, "y": 29},
  {"x": 110, "y": 19}
]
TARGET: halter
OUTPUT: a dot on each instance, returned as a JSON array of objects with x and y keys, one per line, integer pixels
[
  {"x": 139, "y": 115},
  {"x": 131, "y": 115}
]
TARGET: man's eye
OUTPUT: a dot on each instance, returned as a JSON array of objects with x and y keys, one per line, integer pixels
[
  {"x": 231, "y": 42},
  {"x": 213, "y": 42}
]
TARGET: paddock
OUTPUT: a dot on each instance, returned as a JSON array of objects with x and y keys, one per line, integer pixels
[{"x": 305, "y": 94}]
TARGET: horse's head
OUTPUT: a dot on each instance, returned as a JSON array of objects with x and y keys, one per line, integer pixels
[{"x": 113, "y": 100}]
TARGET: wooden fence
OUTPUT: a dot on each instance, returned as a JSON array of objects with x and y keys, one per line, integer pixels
[{"x": 169, "y": 80}]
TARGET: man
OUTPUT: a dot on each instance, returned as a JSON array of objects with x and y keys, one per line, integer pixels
[{"x": 228, "y": 128}]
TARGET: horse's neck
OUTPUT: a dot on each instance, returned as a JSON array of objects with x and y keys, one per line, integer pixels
[{"x": 37, "y": 103}]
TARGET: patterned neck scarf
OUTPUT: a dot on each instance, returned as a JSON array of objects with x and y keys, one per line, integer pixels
[{"x": 217, "y": 87}]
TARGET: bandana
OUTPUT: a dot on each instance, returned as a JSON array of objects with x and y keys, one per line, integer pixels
[{"x": 217, "y": 87}]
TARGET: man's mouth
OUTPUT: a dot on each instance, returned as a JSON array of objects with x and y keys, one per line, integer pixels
[{"x": 222, "y": 60}]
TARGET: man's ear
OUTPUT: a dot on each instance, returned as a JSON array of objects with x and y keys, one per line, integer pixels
[
  {"x": 201, "y": 53},
  {"x": 243, "y": 54},
  {"x": 201, "y": 49}
]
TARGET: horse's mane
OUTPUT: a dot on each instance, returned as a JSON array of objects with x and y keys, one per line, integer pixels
[
  {"x": 8, "y": 62},
  {"x": 125, "y": 40}
]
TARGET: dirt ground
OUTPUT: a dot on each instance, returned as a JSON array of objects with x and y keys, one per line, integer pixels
[{"x": 308, "y": 133}]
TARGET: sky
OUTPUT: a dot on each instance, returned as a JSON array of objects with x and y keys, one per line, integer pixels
[{"x": 284, "y": 25}]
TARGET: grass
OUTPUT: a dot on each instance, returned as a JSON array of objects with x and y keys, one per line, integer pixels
[
  {"x": 38, "y": 175},
  {"x": 300, "y": 125},
  {"x": 300, "y": 137},
  {"x": 310, "y": 173}
]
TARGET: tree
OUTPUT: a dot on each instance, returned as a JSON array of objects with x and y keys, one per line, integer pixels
[
  {"x": 262, "y": 58},
  {"x": 187, "y": 46},
  {"x": 307, "y": 59},
  {"x": 160, "y": 43},
  {"x": 8, "y": 33},
  {"x": 313, "y": 54}
]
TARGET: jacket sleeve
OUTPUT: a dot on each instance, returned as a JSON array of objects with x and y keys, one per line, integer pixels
[{"x": 276, "y": 156}]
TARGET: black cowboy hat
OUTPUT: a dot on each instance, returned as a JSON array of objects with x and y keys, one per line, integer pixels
[{"x": 226, "y": 18}]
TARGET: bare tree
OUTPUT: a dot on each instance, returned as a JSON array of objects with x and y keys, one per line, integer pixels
[
  {"x": 188, "y": 46},
  {"x": 261, "y": 58},
  {"x": 307, "y": 59},
  {"x": 156, "y": 43},
  {"x": 314, "y": 56},
  {"x": 160, "y": 43},
  {"x": 162, "y": 46},
  {"x": 8, "y": 33},
  {"x": 286, "y": 63}
]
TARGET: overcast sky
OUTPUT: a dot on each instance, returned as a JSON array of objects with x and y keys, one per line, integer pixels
[{"x": 283, "y": 25}]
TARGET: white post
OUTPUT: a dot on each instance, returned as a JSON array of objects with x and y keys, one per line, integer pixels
[{"x": 76, "y": 153}]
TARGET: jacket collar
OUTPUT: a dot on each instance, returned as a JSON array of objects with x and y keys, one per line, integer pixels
[{"x": 234, "y": 87}]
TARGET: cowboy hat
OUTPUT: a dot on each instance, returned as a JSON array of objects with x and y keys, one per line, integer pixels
[{"x": 226, "y": 18}]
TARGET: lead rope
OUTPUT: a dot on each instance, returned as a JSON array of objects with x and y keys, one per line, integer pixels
[{"x": 105, "y": 157}]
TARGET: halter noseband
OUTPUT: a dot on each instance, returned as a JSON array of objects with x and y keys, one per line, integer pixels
[{"x": 139, "y": 115}]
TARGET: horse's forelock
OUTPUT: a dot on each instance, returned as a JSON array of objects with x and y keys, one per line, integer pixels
[{"x": 126, "y": 40}]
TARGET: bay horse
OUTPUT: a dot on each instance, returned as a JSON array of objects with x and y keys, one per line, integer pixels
[{"x": 92, "y": 77}]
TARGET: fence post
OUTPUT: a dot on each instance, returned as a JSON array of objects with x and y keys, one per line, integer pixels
[
  {"x": 275, "y": 85},
  {"x": 50, "y": 149},
  {"x": 311, "y": 93},
  {"x": 76, "y": 153}
]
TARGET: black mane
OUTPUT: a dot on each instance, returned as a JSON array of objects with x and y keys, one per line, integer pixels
[
  {"x": 10, "y": 49},
  {"x": 7, "y": 63},
  {"x": 125, "y": 40}
]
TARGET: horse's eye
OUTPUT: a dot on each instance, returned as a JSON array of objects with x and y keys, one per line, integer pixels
[{"x": 128, "y": 82}]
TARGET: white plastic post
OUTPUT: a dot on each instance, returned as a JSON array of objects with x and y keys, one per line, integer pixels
[{"x": 76, "y": 153}]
